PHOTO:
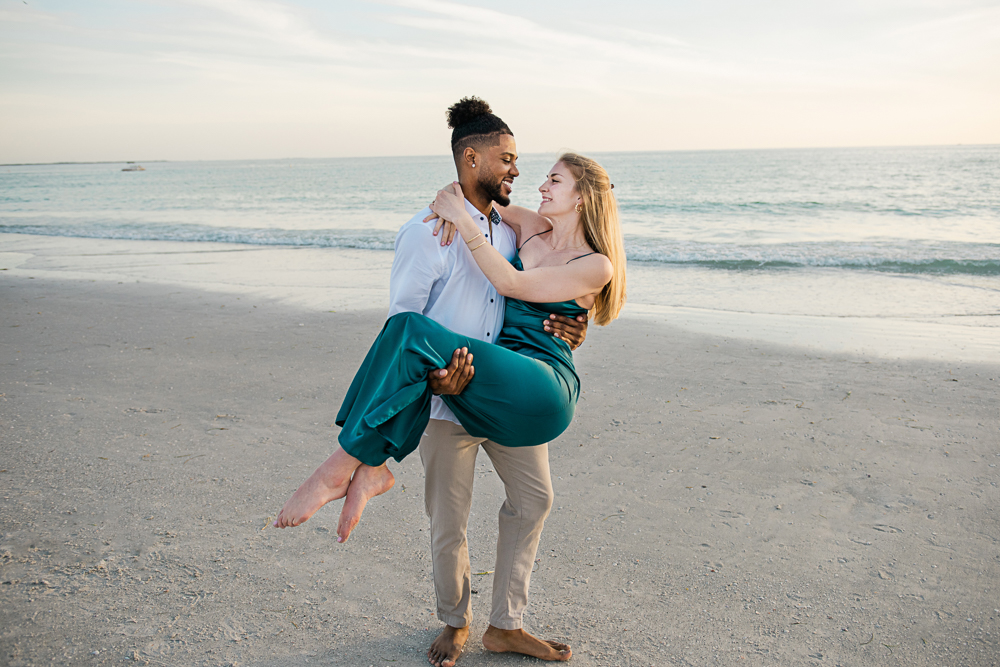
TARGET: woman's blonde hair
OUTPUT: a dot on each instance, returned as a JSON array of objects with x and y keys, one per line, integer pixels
[{"x": 603, "y": 230}]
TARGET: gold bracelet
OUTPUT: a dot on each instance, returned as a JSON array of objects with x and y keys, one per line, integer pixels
[
  {"x": 473, "y": 238},
  {"x": 477, "y": 247}
]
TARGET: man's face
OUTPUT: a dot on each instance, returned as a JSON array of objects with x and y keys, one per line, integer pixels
[{"x": 498, "y": 170}]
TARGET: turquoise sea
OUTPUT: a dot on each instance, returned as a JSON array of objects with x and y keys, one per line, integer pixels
[{"x": 910, "y": 232}]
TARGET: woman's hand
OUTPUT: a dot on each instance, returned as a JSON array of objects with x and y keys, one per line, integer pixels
[
  {"x": 449, "y": 227},
  {"x": 449, "y": 205}
]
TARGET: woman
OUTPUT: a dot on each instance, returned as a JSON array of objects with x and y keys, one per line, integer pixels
[{"x": 570, "y": 260}]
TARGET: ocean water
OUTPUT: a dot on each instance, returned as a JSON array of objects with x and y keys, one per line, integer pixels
[{"x": 910, "y": 232}]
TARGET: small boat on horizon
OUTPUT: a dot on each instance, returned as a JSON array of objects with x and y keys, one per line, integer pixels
[{"x": 132, "y": 166}]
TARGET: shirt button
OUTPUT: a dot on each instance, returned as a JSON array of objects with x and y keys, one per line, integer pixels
[
  {"x": 491, "y": 300},
  {"x": 487, "y": 334}
]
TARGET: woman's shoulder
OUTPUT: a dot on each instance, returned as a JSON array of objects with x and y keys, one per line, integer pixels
[
  {"x": 518, "y": 217},
  {"x": 594, "y": 261},
  {"x": 537, "y": 225}
]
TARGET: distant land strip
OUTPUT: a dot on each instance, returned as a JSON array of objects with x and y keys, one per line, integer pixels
[{"x": 48, "y": 164}]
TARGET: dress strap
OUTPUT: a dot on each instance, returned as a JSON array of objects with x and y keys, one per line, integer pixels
[
  {"x": 581, "y": 256},
  {"x": 533, "y": 236}
]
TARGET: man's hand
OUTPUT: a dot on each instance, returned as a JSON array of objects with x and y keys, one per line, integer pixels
[
  {"x": 573, "y": 332},
  {"x": 453, "y": 380}
]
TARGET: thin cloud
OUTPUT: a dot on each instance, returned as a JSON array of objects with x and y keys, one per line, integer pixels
[
  {"x": 860, "y": 72},
  {"x": 636, "y": 59},
  {"x": 280, "y": 24},
  {"x": 466, "y": 23}
]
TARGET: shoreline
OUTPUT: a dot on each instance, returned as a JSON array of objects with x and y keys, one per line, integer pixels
[
  {"x": 715, "y": 498},
  {"x": 338, "y": 279}
]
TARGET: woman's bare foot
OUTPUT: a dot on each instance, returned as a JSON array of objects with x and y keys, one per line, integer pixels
[
  {"x": 367, "y": 483},
  {"x": 519, "y": 641},
  {"x": 448, "y": 646},
  {"x": 328, "y": 482}
]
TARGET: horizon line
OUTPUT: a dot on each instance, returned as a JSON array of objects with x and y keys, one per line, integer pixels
[{"x": 363, "y": 157}]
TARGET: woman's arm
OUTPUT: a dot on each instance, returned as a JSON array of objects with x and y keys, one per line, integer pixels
[
  {"x": 519, "y": 218},
  {"x": 544, "y": 284}
]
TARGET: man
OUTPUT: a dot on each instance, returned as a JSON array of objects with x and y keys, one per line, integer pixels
[{"x": 444, "y": 283}]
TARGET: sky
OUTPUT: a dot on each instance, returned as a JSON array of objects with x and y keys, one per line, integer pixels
[{"x": 84, "y": 80}]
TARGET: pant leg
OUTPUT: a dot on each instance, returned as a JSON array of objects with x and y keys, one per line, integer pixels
[
  {"x": 526, "y": 478},
  {"x": 448, "y": 453}
]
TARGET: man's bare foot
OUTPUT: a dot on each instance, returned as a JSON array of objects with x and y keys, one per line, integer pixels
[
  {"x": 519, "y": 641},
  {"x": 446, "y": 649},
  {"x": 367, "y": 483},
  {"x": 328, "y": 482}
]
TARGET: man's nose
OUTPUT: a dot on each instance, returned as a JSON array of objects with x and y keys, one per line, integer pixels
[{"x": 513, "y": 171}]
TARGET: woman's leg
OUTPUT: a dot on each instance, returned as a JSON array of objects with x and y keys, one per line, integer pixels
[
  {"x": 392, "y": 379},
  {"x": 328, "y": 482},
  {"x": 388, "y": 402},
  {"x": 367, "y": 483},
  {"x": 513, "y": 400}
]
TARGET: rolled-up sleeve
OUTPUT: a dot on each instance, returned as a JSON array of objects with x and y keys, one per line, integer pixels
[{"x": 418, "y": 264}]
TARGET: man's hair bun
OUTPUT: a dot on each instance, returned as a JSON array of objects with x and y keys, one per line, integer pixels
[
  {"x": 467, "y": 110},
  {"x": 473, "y": 123}
]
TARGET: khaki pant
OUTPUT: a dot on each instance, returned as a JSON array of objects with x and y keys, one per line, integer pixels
[{"x": 448, "y": 453}]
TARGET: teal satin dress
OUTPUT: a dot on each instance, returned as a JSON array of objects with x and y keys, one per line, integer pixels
[{"x": 524, "y": 391}]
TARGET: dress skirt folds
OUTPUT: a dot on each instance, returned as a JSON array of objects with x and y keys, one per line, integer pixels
[{"x": 523, "y": 393}]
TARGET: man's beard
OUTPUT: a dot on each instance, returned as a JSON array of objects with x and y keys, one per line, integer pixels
[{"x": 492, "y": 187}]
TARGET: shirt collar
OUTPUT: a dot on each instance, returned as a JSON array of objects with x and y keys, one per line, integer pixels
[{"x": 477, "y": 215}]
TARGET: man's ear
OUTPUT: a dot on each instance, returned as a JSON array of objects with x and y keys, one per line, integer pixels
[{"x": 469, "y": 157}]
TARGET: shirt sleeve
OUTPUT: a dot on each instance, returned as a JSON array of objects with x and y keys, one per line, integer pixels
[{"x": 418, "y": 264}]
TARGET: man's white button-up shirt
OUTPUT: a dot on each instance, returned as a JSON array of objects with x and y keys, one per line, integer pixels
[{"x": 446, "y": 284}]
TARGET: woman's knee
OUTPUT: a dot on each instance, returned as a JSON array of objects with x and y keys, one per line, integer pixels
[{"x": 403, "y": 319}]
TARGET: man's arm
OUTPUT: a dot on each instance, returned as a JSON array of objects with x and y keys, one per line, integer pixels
[
  {"x": 418, "y": 264},
  {"x": 573, "y": 331}
]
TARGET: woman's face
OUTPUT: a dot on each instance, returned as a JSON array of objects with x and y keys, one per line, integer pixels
[{"x": 559, "y": 194}]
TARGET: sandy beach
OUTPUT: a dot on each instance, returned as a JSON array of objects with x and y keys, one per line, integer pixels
[{"x": 719, "y": 500}]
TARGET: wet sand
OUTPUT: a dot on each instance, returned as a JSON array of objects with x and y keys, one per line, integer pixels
[{"x": 718, "y": 500}]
